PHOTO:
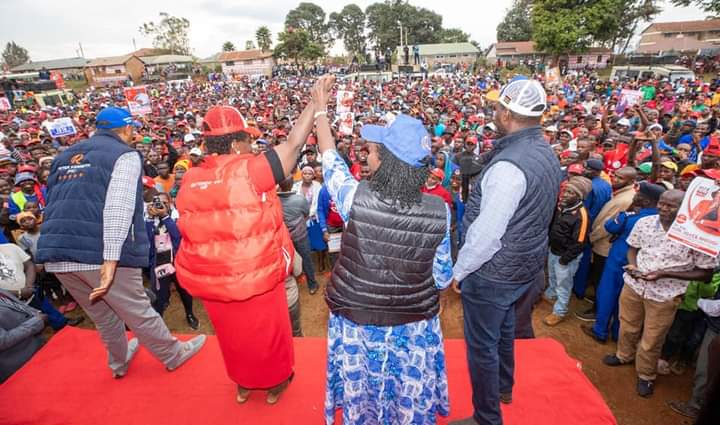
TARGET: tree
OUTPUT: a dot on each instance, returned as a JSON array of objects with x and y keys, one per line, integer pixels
[
  {"x": 249, "y": 45},
  {"x": 170, "y": 33},
  {"x": 296, "y": 44},
  {"x": 453, "y": 35},
  {"x": 711, "y": 7},
  {"x": 569, "y": 26},
  {"x": 263, "y": 36},
  {"x": 349, "y": 24},
  {"x": 14, "y": 55},
  {"x": 634, "y": 13},
  {"x": 383, "y": 21},
  {"x": 516, "y": 25},
  {"x": 311, "y": 18},
  {"x": 228, "y": 46}
]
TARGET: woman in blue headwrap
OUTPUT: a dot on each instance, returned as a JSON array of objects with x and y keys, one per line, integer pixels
[{"x": 443, "y": 162}]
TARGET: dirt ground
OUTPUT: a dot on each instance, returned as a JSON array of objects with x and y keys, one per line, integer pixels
[{"x": 616, "y": 385}]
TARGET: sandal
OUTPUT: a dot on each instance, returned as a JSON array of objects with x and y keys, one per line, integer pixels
[
  {"x": 242, "y": 395},
  {"x": 274, "y": 394}
]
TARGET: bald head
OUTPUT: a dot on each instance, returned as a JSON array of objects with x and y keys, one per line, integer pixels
[
  {"x": 674, "y": 196},
  {"x": 669, "y": 205},
  {"x": 624, "y": 177}
]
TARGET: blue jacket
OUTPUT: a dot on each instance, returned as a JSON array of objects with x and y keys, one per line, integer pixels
[
  {"x": 72, "y": 229},
  {"x": 620, "y": 228},
  {"x": 323, "y": 207},
  {"x": 597, "y": 198}
]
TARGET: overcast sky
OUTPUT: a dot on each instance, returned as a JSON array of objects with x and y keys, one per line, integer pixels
[{"x": 53, "y": 29}]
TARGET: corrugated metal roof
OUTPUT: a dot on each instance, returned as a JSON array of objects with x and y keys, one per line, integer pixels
[
  {"x": 447, "y": 49},
  {"x": 109, "y": 61},
  {"x": 244, "y": 55},
  {"x": 163, "y": 59},
  {"x": 52, "y": 64},
  {"x": 685, "y": 26},
  {"x": 504, "y": 48}
]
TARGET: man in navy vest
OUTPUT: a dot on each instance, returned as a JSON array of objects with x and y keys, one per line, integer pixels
[
  {"x": 94, "y": 239},
  {"x": 507, "y": 217}
]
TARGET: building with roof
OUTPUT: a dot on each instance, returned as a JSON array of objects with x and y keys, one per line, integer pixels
[
  {"x": 682, "y": 36},
  {"x": 114, "y": 69},
  {"x": 247, "y": 62},
  {"x": 447, "y": 53},
  {"x": 505, "y": 53},
  {"x": 67, "y": 66},
  {"x": 166, "y": 65}
]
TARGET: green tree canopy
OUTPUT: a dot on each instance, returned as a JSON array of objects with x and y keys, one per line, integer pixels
[
  {"x": 170, "y": 33},
  {"x": 453, "y": 35},
  {"x": 295, "y": 44},
  {"x": 383, "y": 21},
  {"x": 572, "y": 26},
  {"x": 263, "y": 36},
  {"x": 634, "y": 13},
  {"x": 249, "y": 45},
  {"x": 349, "y": 24},
  {"x": 516, "y": 25},
  {"x": 310, "y": 18},
  {"x": 228, "y": 46},
  {"x": 14, "y": 55}
]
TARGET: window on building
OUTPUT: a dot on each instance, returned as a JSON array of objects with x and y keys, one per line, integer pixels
[
  {"x": 579, "y": 59},
  {"x": 599, "y": 59},
  {"x": 118, "y": 71},
  {"x": 452, "y": 56},
  {"x": 229, "y": 63}
]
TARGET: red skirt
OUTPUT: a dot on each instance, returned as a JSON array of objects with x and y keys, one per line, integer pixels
[{"x": 255, "y": 338}]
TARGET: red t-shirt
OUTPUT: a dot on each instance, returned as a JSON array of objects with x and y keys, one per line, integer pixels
[{"x": 439, "y": 191}]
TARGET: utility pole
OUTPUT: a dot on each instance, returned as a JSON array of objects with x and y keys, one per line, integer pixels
[
  {"x": 82, "y": 54},
  {"x": 134, "y": 45},
  {"x": 401, "y": 33}
]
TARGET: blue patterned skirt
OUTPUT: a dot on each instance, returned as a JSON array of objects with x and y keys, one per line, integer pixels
[{"x": 386, "y": 374}]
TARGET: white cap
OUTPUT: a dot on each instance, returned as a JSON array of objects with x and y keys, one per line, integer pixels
[
  {"x": 491, "y": 126},
  {"x": 189, "y": 138},
  {"x": 624, "y": 121},
  {"x": 654, "y": 126},
  {"x": 551, "y": 128},
  {"x": 524, "y": 97},
  {"x": 196, "y": 151}
]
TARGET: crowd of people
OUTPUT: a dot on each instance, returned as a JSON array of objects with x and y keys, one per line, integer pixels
[{"x": 609, "y": 190}]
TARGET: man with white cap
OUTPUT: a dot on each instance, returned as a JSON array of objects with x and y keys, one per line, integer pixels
[{"x": 507, "y": 218}]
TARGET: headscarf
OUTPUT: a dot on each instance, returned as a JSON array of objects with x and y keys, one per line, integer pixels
[{"x": 449, "y": 168}]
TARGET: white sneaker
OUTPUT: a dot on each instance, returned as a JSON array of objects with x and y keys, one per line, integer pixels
[
  {"x": 188, "y": 349},
  {"x": 133, "y": 346},
  {"x": 663, "y": 367}
]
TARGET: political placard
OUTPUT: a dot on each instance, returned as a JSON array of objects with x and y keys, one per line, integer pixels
[
  {"x": 4, "y": 104},
  {"x": 697, "y": 224},
  {"x": 628, "y": 99},
  {"x": 138, "y": 100},
  {"x": 61, "y": 127},
  {"x": 344, "y": 101},
  {"x": 345, "y": 123}
]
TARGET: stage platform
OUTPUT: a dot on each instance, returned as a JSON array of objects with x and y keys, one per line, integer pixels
[{"x": 68, "y": 382}]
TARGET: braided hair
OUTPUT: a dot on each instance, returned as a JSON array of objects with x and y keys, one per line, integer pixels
[{"x": 397, "y": 181}]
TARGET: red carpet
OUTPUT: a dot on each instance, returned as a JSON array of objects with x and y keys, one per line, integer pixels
[{"x": 68, "y": 382}]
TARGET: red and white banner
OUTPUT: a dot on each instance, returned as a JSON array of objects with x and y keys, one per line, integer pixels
[
  {"x": 138, "y": 100},
  {"x": 697, "y": 224}
]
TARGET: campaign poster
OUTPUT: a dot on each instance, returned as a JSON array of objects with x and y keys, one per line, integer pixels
[
  {"x": 138, "y": 100},
  {"x": 345, "y": 125},
  {"x": 697, "y": 224},
  {"x": 345, "y": 100},
  {"x": 628, "y": 99},
  {"x": 58, "y": 78},
  {"x": 552, "y": 76},
  {"x": 4, "y": 104},
  {"x": 61, "y": 127}
]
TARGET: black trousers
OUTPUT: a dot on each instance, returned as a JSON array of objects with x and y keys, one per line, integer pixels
[
  {"x": 685, "y": 335},
  {"x": 162, "y": 300}
]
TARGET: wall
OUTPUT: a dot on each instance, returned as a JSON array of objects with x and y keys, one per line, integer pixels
[
  {"x": 249, "y": 67},
  {"x": 654, "y": 42},
  {"x": 468, "y": 58}
]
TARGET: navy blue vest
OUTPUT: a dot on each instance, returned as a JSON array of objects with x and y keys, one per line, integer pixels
[
  {"x": 72, "y": 229},
  {"x": 525, "y": 243}
]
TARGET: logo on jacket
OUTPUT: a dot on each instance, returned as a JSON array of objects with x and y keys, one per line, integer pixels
[{"x": 77, "y": 159}]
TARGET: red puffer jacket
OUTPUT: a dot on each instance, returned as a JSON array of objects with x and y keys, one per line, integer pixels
[{"x": 234, "y": 242}]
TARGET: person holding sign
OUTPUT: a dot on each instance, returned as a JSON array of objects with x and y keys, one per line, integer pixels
[
  {"x": 656, "y": 278},
  {"x": 384, "y": 290}
]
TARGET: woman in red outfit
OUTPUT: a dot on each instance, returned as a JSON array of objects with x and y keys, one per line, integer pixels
[{"x": 236, "y": 251}]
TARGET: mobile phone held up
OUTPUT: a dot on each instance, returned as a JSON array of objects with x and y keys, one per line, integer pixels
[{"x": 157, "y": 203}]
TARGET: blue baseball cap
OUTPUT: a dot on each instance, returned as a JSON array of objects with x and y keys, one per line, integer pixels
[
  {"x": 113, "y": 117},
  {"x": 405, "y": 137}
]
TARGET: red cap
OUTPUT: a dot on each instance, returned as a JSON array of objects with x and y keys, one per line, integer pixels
[
  {"x": 223, "y": 120},
  {"x": 440, "y": 174},
  {"x": 565, "y": 154},
  {"x": 713, "y": 147},
  {"x": 576, "y": 169},
  {"x": 712, "y": 173}
]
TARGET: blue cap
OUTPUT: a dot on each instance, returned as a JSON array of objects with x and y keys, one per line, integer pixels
[
  {"x": 113, "y": 117},
  {"x": 406, "y": 138}
]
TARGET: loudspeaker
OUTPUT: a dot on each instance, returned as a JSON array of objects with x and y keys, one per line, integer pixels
[
  {"x": 368, "y": 68},
  {"x": 405, "y": 69}
]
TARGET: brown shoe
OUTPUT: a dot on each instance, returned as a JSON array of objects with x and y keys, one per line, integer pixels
[
  {"x": 588, "y": 330},
  {"x": 553, "y": 319},
  {"x": 274, "y": 393},
  {"x": 242, "y": 394}
]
